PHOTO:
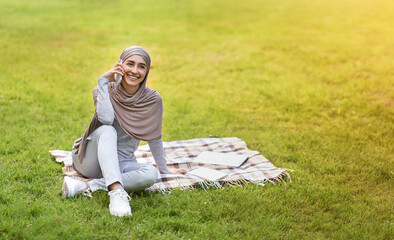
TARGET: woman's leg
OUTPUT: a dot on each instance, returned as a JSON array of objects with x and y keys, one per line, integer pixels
[
  {"x": 101, "y": 158},
  {"x": 138, "y": 176},
  {"x": 135, "y": 177},
  {"x": 101, "y": 161}
]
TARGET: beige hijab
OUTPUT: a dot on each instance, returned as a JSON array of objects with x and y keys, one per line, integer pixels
[{"x": 139, "y": 115}]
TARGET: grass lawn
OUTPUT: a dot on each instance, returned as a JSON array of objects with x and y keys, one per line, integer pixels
[{"x": 309, "y": 84}]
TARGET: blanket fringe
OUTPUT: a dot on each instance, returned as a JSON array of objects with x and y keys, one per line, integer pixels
[
  {"x": 283, "y": 178},
  {"x": 206, "y": 185},
  {"x": 287, "y": 175},
  {"x": 163, "y": 190}
]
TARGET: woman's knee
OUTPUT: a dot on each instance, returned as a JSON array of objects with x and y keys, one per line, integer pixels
[
  {"x": 146, "y": 177},
  {"x": 107, "y": 131},
  {"x": 150, "y": 174}
]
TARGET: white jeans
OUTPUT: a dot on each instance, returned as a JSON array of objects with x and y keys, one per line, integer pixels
[{"x": 101, "y": 162}]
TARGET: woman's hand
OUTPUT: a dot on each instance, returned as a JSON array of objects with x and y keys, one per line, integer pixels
[
  {"x": 177, "y": 171},
  {"x": 117, "y": 69}
]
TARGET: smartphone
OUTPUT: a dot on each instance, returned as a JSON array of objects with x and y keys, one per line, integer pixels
[{"x": 118, "y": 77}]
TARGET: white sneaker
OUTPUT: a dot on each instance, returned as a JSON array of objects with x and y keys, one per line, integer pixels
[
  {"x": 119, "y": 203},
  {"x": 72, "y": 187}
]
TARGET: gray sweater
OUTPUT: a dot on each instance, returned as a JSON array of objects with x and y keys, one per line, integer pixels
[{"x": 126, "y": 144}]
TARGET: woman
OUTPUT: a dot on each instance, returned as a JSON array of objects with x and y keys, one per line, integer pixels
[{"x": 125, "y": 114}]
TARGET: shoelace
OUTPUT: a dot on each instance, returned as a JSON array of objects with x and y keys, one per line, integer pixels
[
  {"x": 121, "y": 194},
  {"x": 88, "y": 193}
]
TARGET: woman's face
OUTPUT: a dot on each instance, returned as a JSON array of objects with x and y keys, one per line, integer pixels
[{"x": 135, "y": 70}]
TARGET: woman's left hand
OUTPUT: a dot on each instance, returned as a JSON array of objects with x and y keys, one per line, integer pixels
[{"x": 177, "y": 171}]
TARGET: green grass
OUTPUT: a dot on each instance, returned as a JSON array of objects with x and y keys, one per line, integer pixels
[{"x": 309, "y": 84}]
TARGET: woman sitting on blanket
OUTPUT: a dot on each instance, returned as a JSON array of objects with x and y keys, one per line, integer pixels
[{"x": 125, "y": 114}]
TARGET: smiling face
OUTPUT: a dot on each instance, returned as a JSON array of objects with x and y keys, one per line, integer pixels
[{"x": 135, "y": 70}]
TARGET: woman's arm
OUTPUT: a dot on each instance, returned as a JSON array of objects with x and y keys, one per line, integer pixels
[
  {"x": 156, "y": 147},
  {"x": 104, "y": 109}
]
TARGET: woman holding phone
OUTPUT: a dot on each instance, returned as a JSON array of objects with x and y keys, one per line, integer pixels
[{"x": 125, "y": 114}]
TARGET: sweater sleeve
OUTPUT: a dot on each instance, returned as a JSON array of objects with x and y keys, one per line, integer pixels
[
  {"x": 157, "y": 150},
  {"x": 104, "y": 109}
]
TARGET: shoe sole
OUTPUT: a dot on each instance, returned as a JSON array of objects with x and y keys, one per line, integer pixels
[
  {"x": 121, "y": 215},
  {"x": 65, "y": 192}
]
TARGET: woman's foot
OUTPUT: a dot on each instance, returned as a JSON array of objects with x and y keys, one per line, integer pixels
[
  {"x": 72, "y": 187},
  {"x": 119, "y": 203}
]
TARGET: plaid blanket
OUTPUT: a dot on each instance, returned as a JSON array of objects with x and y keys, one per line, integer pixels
[{"x": 179, "y": 154}]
